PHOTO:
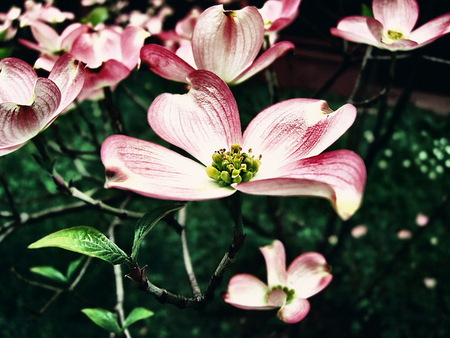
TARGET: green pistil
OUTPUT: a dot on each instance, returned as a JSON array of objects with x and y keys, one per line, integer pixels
[
  {"x": 289, "y": 292},
  {"x": 233, "y": 166}
]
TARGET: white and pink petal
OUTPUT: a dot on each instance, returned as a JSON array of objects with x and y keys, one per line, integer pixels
[
  {"x": 263, "y": 61},
  {"x": 360, "y": 29},
  {"x": 131, "y": 41},
  {"x": 338, "y": 176},
  {"x": 295, "y": 311},
  {"x": 275, "y": 257},
  {"x": 155, "y": 171},
  {"x": 431, "y": 30},
  {"x": 17, "y": 81},
  {"x": 398, "y": 15},
  {"x": 20, "y": 123},
  {"x": 200, "y": 122},
  {"x": 294, "y": 129},
  {"x": 69, "y": 75},
  {"x": 226, "y": 42},
  {"x": 165, "y": 63},
  {"x": 247, "y": 292},
  {"x": 308, "y": 274}
]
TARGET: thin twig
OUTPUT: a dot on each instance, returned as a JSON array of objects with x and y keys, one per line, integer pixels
[
  {"x": 118, "y": 277},
  {"x": 187, "y": 257},
  {"x": 164, "y": 296},
  {"x": 57, "y": 291}
]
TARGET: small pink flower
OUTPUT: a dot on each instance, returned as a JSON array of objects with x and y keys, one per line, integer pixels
[
  {"x": 223, "y": 41},
  {"x": 287, "y": 290},
  {"x": 430, "y": 282},
  {"x": 359, "y": 231},
  {"x": 404, "y": 234},
  {"x": 28, "y": 103},
  {"x": 422, "y": 220},
  {"x": 278, "y": 14},
  {"x": 278, "y": 154},
  {"x": 392, "y": 26}
]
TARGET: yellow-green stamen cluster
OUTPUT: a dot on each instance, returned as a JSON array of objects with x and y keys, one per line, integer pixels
[
  {"x": 289, "y": 292},
  {"x": 233, "y": 166},
  {"x": 391, "y": 36}
]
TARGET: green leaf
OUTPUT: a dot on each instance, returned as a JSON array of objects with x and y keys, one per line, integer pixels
[
  {"x": 5, "y": 52},
  {"x": 85, "y": 240},
  {"x": 49, "y": 272},
  {"x": 148, "y": 221},
  {"x": 103, "y": 318},
  {"x": 96, "y": 16},
  {"x": 137, "y": 314},
  {"x": 73, "y": 266},
  {"x": 366, "y": 11}
]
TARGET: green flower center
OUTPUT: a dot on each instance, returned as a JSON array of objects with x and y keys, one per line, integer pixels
[
  {"x": 233, "y": 166},
  {"x": 391, "y": 36},
  {"x": 289, "y": 292}
]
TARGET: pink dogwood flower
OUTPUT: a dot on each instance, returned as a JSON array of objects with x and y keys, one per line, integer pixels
[
  {"x": 226, "y": 42},
  {"x": 287, "y": 290},
  {"x": 109, "y": 52},
  {"x": 28, "y": 103},
  {"x": 392, "y": 26},
  {"x": 36, "y": 11},
  {"x": 278, "y": 14},
  {"x": 278, "y": 154},
  {"x": 7, "y": 27}
]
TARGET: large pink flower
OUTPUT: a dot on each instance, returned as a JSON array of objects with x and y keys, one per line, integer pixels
[
  {"x": 278, "y": 154},
  {"x": 392, "y": 26},
  {"x": 287, "y": 290},
  {"x": 224, "y": 42},
  {"x": 28, "y": 103}
]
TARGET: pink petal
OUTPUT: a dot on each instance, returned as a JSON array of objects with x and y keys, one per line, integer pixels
[
  {"x": 69, "y": 75},
  {"x": 360, "y": 29},
  {"x": 275, "y": 258},
  {"x": 277, "y": 298},
  {"x": 17, "y": 81},
  {"x": 94, "y": 48},
  {"x": 227, "y": 42},
  {"x": 431, "y": 30},
  {"x": 20, "y": 123},
  {"x": 165, "y": 63},
  {"x": 200, "y": 122},
  {"x": 401, "y": 44},
  {"x": 308, "y": 274},
  {"x": 46, "y": 36},
  {"x": 247, "y": 292},
  {"x": 338, "y": 176},
  {"x": 131, "y": 42},
  {"x": 71, "y": 33},
  {"x": 109, "y": 74},
  {"x": 396, "y": 14},
  {"x": 295, "y": 129},
  {"x": 280, "y": 12},
  {"x": 155, "y": 171},
  {"x": 265, "y": 60},
  {"x": 185, "y": 52},
  {"x": 295, "y": 311}
]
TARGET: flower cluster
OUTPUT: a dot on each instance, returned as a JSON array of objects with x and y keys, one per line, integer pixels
[{"x": 281, "y": 152}]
